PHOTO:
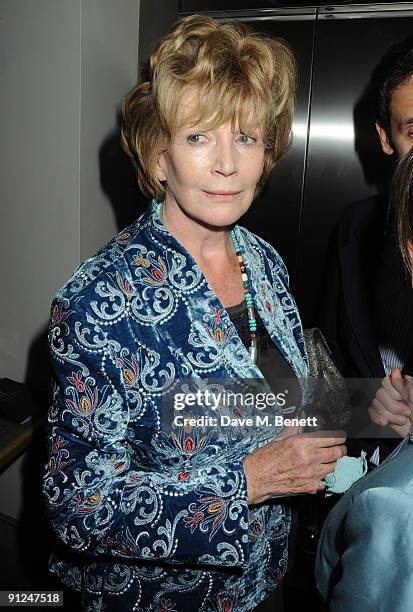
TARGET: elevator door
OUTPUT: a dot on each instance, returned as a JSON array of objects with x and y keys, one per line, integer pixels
[{"x": 345, "y": 162}]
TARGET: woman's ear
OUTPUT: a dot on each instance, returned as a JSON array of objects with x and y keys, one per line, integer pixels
[{"x": 161, "y": 167}]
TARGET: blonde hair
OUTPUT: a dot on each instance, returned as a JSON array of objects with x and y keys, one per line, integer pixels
[{"x": 238, "y": 73}]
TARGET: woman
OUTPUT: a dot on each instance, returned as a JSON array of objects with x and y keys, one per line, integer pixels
[
  {"x": 365, "y": 559},
  {"x": 166, "y": 518}
]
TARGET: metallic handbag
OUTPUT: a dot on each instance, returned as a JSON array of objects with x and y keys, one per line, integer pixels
[{"x": 330, "y": 402}]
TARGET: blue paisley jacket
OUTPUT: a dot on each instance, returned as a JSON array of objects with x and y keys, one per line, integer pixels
[{"x": 145, "y": 519}]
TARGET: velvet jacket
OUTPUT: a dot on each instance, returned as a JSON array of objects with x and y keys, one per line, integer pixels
[
  {"x": 148, "y": 518},
  {"x": 364, "y": 559}
]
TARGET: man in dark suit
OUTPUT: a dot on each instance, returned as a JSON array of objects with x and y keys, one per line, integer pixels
[{"x": 368, "y": 311}]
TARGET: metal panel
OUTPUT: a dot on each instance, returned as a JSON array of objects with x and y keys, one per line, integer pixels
[
  {"x": 243, "y": 6},
  {"x": 201, "y": 6},
  {"x": 365, "y": 7},
  {"x": 345, "y": 162},
  {"x": 155, "y": 19}
]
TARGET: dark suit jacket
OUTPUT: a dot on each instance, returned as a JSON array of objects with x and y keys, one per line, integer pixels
[
  {"x": 346, "y": 319},
  {"x": 362, "y": 244}
]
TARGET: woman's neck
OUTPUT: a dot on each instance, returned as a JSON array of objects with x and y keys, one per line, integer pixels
[
  {"x": 207, "y": 245},
  {"x": 214, "y": 253}
]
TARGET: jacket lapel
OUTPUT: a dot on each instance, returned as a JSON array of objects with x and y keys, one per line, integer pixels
[{"x": 275, "y": 305}]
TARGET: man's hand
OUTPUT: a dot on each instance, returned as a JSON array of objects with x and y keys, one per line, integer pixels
[{"x": 393, "y": 404}]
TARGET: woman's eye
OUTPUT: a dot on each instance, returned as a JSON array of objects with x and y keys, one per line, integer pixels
[
  {"x": 245, "y": 139},
  {"x": 196, "y": 138}
]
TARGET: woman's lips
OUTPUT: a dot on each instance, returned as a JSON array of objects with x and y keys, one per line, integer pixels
[{"x": 224, "y": 196}]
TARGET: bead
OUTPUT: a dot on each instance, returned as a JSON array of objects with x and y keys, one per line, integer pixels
[{"x": 249, "y": 301}]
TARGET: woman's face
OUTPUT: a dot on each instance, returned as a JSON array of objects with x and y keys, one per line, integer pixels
[{"x": 210, "y": 175}]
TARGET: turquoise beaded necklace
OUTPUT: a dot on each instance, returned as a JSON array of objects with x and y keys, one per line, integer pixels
[{"x": 252, "y": 321}]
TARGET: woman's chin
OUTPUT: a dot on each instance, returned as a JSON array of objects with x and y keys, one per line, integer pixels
[
  {"x": 221, "y": 217},
  {"x": 220, "y": 221}
]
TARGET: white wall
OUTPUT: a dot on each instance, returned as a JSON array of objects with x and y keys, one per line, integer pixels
[
  {"x": 109, "y": 68},
  {"x": 65, "y": 66},
  {"x": 39, "y": 168}
]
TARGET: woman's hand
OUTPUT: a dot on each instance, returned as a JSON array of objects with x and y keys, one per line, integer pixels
[
  {"x": 292, "y": 464},
  {"x": 393, "y": 403}
]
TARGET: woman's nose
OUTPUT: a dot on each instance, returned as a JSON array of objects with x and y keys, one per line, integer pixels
[{"x": 225, "y": 159}]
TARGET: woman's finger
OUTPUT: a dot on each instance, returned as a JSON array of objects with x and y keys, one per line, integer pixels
[
  {"x": 328, "y": 455},
  {"x": 327, "y": 468}
]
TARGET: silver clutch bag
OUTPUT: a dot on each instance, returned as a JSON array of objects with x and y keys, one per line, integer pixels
[{"x": 330, "y": 402}]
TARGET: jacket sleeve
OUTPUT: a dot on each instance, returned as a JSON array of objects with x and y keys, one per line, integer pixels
[
  {"x": 105, "y": 495},
  {"x": 377, "y": 564}
]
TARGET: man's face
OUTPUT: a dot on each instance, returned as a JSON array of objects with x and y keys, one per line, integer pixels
[{"x": 401, "y": 121}]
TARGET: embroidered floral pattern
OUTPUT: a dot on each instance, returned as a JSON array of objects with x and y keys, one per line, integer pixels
[
  {"x": 124, "y": 285},
  {"x": 209, "y": 513},
  {"x": 59, "y": 457},
  {"x": 157, "y": 270},
  {"x": 84, "y": 396}
]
